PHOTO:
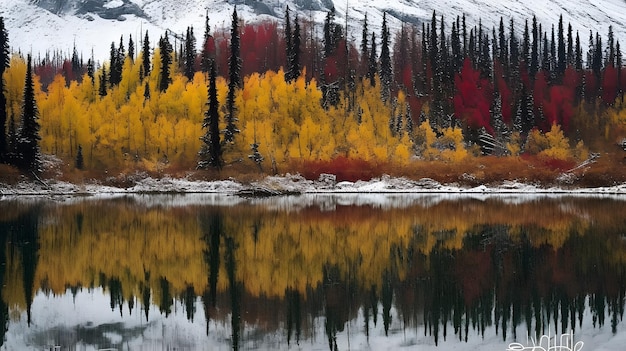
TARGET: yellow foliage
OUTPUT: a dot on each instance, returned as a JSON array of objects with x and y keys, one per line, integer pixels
[
  {"x": 553, "y": 144},
  {"x": 514, "y": 144}
]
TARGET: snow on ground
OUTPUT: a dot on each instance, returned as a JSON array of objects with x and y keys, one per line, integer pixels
[{"x": 295, "y": 184}]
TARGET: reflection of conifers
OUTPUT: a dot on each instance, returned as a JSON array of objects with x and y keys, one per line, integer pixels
[
  {"x": 22, "y": 233},
  {"x": 211, "y": 226},
  {"x": 457, "y": 263}
]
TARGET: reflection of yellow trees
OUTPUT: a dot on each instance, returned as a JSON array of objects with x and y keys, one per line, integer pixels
[
  {"x": 78, "y": 244},
  {"x": 275, "y": 250}
]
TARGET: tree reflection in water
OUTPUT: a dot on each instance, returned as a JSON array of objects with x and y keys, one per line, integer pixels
[{"x": 459, "y": 267}]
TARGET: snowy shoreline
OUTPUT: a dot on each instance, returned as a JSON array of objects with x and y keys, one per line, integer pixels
[{"x": 292, "y": 185}]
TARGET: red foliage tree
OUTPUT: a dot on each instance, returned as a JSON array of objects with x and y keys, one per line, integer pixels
[
  {"x": 591, "y": 86},
  {"x": 505, "y": 93},
  {"x": 559, "y": 108},
  {"x": 473, "y": 97},
  {"x": 609, "y": 85}
]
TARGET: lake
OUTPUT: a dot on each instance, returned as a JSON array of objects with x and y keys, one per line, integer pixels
[{"x": 312, "y": 272}]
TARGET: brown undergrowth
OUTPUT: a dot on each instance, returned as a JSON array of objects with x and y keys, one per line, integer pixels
[{"x": 607, "y": 170}]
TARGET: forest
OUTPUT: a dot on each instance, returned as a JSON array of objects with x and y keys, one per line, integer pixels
[{"x": 468, "y": 104}]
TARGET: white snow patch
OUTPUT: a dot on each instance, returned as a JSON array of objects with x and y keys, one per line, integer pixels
[{"x": 113, "y": 4}]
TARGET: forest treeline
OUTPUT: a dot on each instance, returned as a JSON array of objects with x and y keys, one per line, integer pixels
[{"x": 279, "y": 97}]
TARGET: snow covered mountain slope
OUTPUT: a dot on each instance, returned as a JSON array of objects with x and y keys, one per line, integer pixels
[{"x": 38, "y": 26}]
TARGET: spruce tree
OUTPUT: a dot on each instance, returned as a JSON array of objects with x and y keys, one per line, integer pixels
[
  {"x": 526, "y": 46},
  {"x": 294, "y": 59},
  {"x": 578, "y": 55},
  {"x": 91, "y": 72},
  {"x": 385, "y": 62},
  {"x": 4, "y": 64},
  {"x": 113, "y": 76},
  {"x": 166, "y": 60},
  {"x": 288, "y": 43},
  {"x": 433, "y": 48},
  {"x": 364, "y": 48},
  {"x": 503, "y": 52},
  {"x": 372, "y": 67},
  {"x": 145, "y": 55},
  {"x": 234, "y": 80},
  {"x": 131, "y": 49},
  {"x": 514, "y": 55},
  {"x": 102, "y": 88},
  {"x": 444, "y": 57},
  {"x": 330, "y": 37},
  {"x": 28, "y": 153},
  {"x": 570, "y": 46},
  {"x": 610, "y": 48},
  {"x": 455, "y": 46},
  {"x": 562, "y": 58},
  {"x": 545, "y": 53},
  {"x": 211, "y": 152},
  {"x": 206, "y": 60},
  {"x": 534, "y": 52},
  {"x": 80, "y": 162},
  {"x": 596, "y": 64},
  {"x": 190, "y": 53}
]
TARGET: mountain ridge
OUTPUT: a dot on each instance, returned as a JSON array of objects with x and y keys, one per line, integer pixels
[{"x": 40, "y": 26}]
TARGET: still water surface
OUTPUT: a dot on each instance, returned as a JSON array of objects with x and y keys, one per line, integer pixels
[{"x": 357, "y": 272}]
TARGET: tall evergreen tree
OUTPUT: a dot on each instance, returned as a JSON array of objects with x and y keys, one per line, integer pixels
[
  {"x": 514, "y": 56},
  {"x": 145, "y": 55},
  {"x": 131, "y": 48},
  {"x": 455, "y": 46},
  {"x": 385, "y": 62},
  {"x": 288, "y": 42},
  {"x": 165, "y": 49},
  {"x": 28, "y": 152},
  {"x": 4, "y": 64},
  {"x": 114, "y": 76},
  {"x": 433, "y": 46},
  {"x": 545, "y": 55},
  {"x": 372, "y": 67},
  {"x": 330, "y": 36},
  {"x": 610, "y": 48},
  {"x": 211, "y": 151},
  {"x": 364, "y": 48},
  {"x": 591, "y": 50},
  {"x": 444, "y": 57},
  {"x": 534, "y": 52},
  {"x": 206, "y": 59},
  {"x": 190, "y": 53},
  {"x": 80, "y": 161},
  {"x": 562, "y": 58},
  {"x": 578, "y": 59},
  {"x": 119, "y": 61},
  {"x": 294, "y": 58},
  {"x": 596, "y": 64},
  {"x": 91, "y": 70},
  {"x": 102, "y": 88},
  {"x": 234, "y": 80},
  {"x": 526, "y": 46},
  {"x": 503, "y": 55},
  {"x": 570, "y": 46}
]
